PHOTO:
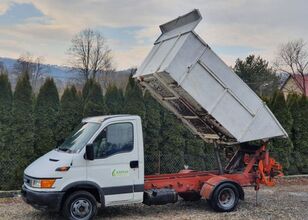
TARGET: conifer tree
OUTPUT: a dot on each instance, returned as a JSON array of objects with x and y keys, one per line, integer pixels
[
  {"x": 258, "y": 74},
  {"x": 134, "y": 103},
  {"x": 93, "y": 99},
  {"x": 172, "y": 144},
  {"x": 5, "y": 113},
  {"x": 70, "y": 113},
  {"x": 22, "y": 128},
  {"x": 282, "y": 148},
  {"x": 45, "y": 113},
  {"x": 194, "y": 151},
  {"x": 295, "y": 157},
  {"x": 114, "y": 99},
  {"x": 152, "y": 125},
  {"x": 86, "y": 88},
  {"x": 292, "y": 101},
  {"x": 210, "y": 160},
  {"x": 5, "y": 129},
  {"x": 151, "y": 134},
  {"x": 299, "y": 110}
]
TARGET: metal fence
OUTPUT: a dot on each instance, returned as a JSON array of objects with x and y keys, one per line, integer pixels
[
  {"x": 161, "y": 163},
  {"x": 10, "y": 175},
  {"x": 11, "y": 172}
]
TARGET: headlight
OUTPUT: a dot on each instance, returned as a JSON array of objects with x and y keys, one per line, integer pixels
[
  {"x": 36, "y": 183},
  {"x": 42, "y": 183}
]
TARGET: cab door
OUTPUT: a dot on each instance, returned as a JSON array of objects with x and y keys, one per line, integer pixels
[{"x": 116, "y": 164}]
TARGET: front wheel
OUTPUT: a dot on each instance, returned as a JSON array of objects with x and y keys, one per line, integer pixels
[
  {"x": 225, "y": 198},
  {"x": 80, "y": 205}
]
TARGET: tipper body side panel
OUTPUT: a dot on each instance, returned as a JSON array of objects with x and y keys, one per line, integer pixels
[{"x": 187, "y": 77}]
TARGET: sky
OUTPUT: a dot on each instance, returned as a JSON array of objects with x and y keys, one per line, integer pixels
[{"x": 233, "y": 28}]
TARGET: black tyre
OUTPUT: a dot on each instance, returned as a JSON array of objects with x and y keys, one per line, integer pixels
[
  {"x": 80, "y": 205},
  {"x": 209, "y": 202},
  {"x": 225, "y": 198},
  {"x": 190, "y": 196}
]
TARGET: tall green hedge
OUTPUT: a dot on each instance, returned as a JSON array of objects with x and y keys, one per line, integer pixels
[
  {"x": 32, "y": 125},
  {"x": 46, "y": 111},
  {"x": 22, "y": 147}
]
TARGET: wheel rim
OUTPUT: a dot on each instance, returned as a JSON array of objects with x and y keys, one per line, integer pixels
[
  {"x": 81, "y": 208},
  {"x": 226, "y": 198}
]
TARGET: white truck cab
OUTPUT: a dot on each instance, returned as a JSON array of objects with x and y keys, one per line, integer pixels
[{"x": 101, "y": 161}]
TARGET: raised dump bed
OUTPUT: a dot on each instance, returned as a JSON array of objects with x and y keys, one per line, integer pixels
[{"x": 187, "y": 77}]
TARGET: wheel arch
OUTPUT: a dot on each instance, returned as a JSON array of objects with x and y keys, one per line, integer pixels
[
  {"x": 210, "y": 186},
  {"x": 88, "y": 186}
]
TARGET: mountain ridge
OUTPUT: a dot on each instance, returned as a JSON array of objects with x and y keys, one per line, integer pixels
[{"x": 64, "y": 75}]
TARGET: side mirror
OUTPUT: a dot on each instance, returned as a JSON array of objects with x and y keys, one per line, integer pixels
[{"x": 89, "y": 152}]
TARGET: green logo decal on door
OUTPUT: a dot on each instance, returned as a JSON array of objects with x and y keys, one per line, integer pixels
[{"x": 116, "y": 172}]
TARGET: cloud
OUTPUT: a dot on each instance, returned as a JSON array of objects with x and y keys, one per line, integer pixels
[
  {"x": 131, "y": 58},
  {"x": 233, "y": 28},
  {"x": 3, "y": 7},
  {"x": 19, "y": 13}
]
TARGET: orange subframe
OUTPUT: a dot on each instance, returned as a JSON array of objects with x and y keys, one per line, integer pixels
[{"x": 259, "y": 169}]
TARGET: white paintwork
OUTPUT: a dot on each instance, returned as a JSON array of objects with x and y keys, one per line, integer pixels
[
  {"x": 98, "y": 171},
  {"x": 44, "y": 168},
  {"x": 186, "y": 68},
  {"x": 179, "y": 26},
  {"x": 100, "y": 119}
]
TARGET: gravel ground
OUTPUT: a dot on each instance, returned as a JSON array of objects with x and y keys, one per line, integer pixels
[{"x": 288, "y": 200}]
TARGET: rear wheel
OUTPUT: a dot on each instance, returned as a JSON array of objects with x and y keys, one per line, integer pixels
[
  {"x": 225, "y": 198},
  {"x": 80, "y": 205}
]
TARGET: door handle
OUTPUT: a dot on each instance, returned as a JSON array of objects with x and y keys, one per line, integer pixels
[{"x": 134, "y": 164}]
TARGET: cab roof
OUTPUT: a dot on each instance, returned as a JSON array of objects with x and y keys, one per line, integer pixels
[{"x": 100, "y": 119}]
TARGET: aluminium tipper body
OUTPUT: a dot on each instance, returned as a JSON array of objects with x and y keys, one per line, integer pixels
[{"x": 188, "y": 78}]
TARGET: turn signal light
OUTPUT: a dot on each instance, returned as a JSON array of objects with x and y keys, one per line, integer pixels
[
  {"x": 47, "y": 183},
  {"x": 63, "y": 169}
]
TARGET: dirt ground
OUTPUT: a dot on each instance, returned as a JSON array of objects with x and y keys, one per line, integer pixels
[{"x": 287, "y": 200}]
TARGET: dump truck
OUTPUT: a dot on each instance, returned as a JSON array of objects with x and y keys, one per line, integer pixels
[{"x": 102, "y": 161}]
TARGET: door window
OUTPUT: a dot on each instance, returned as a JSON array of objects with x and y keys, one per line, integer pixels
[{"x": 114, "y": 139}]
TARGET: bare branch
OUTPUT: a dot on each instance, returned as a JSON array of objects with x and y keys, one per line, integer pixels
[
  {"x": 90, "y": 54},
  {"x": 293, "y": 59},
  {"x": 26, "y": 63}
]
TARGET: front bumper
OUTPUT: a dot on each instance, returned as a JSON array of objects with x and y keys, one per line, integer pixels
[{"x": 49, "y": 201}]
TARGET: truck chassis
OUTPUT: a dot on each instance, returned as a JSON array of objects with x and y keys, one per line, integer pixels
[{"x": 250, "y": 166}]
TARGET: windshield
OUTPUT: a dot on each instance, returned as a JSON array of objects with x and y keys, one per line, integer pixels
[{"x": 79, "y": 137}]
